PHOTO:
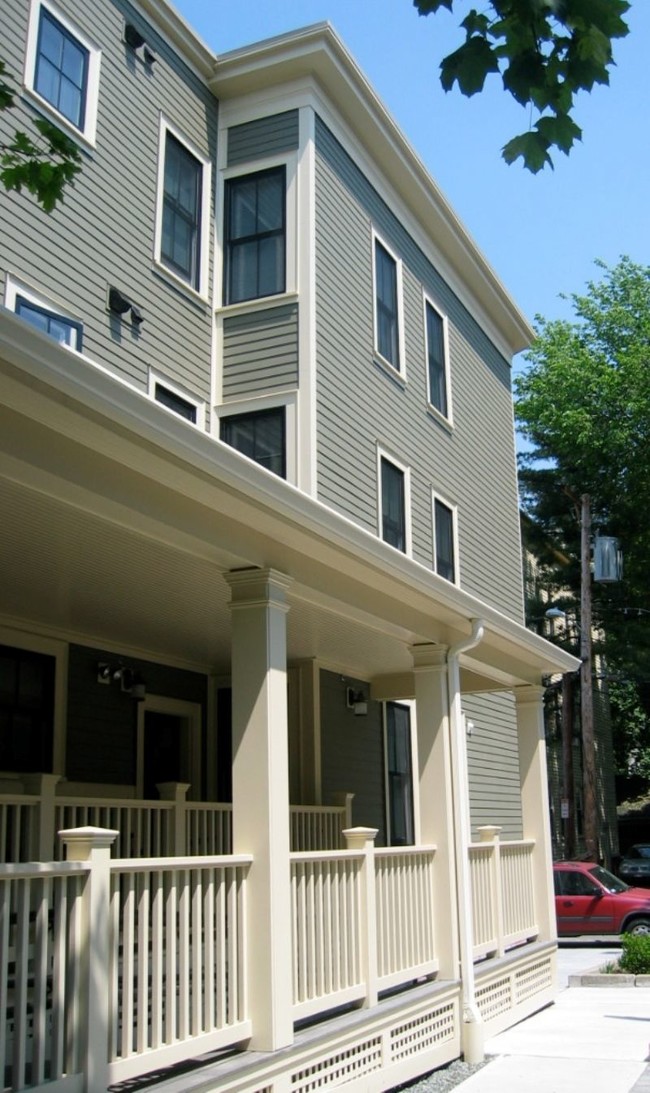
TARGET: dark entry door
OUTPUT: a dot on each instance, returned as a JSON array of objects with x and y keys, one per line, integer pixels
[{"x": 163, "y": 745}]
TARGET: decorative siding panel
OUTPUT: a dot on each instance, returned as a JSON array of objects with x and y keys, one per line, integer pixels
[
  {"x": 494, "y": 783},
  {"x": 103, "y": 233},
  {"x": 260, "y": 352},
  {"x": 360, "y": 404},
  {"x": 263, "y": 137}
]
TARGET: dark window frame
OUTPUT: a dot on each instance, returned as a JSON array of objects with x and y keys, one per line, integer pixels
[
  {"x": 394, "y": 529},
  {"x": 23, "y": 303},
  {"x": 445, "y": 565},
  {"x": 175, "y": 402},
  {"x": 230, "y": 420},
  {"x": 387, "y": 305},
  {"x": 437, "y": 371},
  {"x": 172, "y": 208},
  {"x": 256, "y": 238},
  {"x": 399, "y": 775},
  {"x": 78, "y": 122}
]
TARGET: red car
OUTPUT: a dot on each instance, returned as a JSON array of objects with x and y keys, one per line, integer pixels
[{"x": 591, "y": 900}]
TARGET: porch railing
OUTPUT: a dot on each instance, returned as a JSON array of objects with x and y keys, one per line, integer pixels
[
  {"x": 363, "y": 922},
  {"x": 503, "y": 901},
  {"x": 171, "y": 826}
]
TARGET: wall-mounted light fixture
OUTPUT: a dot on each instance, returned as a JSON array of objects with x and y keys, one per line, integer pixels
[
  {"x": 136, "y": 40},
  {"x": 356, "y": 701},
  {"x": 130, "y": 681},
  {"x": 119, "y": 304}
]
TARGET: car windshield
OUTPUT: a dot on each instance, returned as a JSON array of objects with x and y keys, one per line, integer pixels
[
  {"x": 608, "y": 880},
  {"x": 639, "y": 852}
]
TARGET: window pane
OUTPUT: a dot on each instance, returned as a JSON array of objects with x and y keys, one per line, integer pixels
[
  {"x": 392, "y": 505},
  {"x": 70, "y": 101},
  {"x": 176, "y": 403},
  {"x": 386, "y": 305},
  {"x": 271, "y": 266},
  {"x": 243, "y": 205},
  {"x": 260, "y": 436},
  {"x": 255, "y": 230},
  {"x": 436, "y": 353},
  {"x": 61, "y": 69},
  {"x": 73, "y": 62},
  {"x": 444, "y": 524},
  {"x": 400, "y": 774},
  {"x": 270, "y": 207},
  {"x": 243, "y": 272},
  {"x": 63, "y": 330}
]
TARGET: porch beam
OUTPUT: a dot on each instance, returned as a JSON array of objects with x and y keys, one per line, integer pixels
[
  {"x": 261, "y": 795},
  {"x": 534, "y": 802}
]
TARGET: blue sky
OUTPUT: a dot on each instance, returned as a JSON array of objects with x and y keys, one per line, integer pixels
[{"x": 540, "y": 233}]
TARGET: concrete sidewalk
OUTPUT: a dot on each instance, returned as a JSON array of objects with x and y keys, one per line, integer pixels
[{"x": 591, "y": 1040}]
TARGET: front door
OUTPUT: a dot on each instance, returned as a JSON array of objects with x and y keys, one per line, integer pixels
[{"x": 169, "y": 745}]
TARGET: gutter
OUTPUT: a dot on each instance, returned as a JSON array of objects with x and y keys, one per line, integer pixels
[{"x": 472, "y": 1036}]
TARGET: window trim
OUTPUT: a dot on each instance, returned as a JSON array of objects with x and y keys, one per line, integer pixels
[
  {"x": 445, "y": 419},
  {"x": 87, "y": 133},
  {"x": 435, "y": 496},
  {"x": 396, "y": 371},
  {"x": 199, "y": 290},
  {"x": 384, "y": 454},
  {"x": 157, "y": 379},
  {"x": 276, "y": 168},
  {"x": 16, "y": 289},
  {"x": 253, "y": 406}
]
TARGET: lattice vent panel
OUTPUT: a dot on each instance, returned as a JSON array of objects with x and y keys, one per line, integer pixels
[
  {"x": 494, "y": 998},
  {"x": 423, "y": 1032},
  {"x": 538, "y": 977},
  {"x": 339, "y": 1068}
]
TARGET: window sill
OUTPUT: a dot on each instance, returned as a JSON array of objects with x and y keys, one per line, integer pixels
[
  {"x": 195, "y": 297},
  {"x": 390, "y": 370},
  {"x": 440, "y": 418},
  {"x": 259, "y": 303},
  {"x": 86, "y": 142}
]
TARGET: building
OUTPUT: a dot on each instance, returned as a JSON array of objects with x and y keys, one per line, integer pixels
[{"x": 262, "y": 583}]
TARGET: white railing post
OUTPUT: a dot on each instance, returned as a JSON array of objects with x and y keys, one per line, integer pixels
[
  {"x": 176, "y": 792},
  {"x": 489, "y": 833},
  {"x": 44, "y": 787},
  {"x": 534, "y": 802},
  {"x": 363, "y": 839},
  {"x": 93, "y": 845}
]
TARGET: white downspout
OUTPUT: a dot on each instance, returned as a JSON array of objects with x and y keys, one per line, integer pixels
[{"x": 472, "y": 1030}]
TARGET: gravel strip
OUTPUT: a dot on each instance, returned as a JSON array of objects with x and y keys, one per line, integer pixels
[{"x": 446, "y": 1077}]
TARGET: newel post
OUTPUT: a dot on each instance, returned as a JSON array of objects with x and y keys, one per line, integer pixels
[
  {"x": 490, "y": 833},
  {"x": 93, "y": 846},
  {"x": 176, "y": 792},
  {"x": 363, "y": 839}
]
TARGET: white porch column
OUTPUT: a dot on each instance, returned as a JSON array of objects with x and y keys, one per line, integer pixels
[
  {"x": 261, "y": 795},
  {"x": 436, "y": 795},
  {"x": 534, "y": 801}
]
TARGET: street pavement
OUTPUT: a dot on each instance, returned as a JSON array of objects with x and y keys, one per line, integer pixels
[{"x": 591, "y": 1040}]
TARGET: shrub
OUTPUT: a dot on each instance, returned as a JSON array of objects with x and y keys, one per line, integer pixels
[{"x": 635, "y": 957}]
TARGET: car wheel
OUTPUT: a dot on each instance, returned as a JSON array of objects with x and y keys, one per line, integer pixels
[{"x": 640, "y": 926}]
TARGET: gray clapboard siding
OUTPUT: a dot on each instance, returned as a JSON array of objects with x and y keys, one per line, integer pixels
[
  {"x": 493, "y": 759},
  {"x": 359, "y": 405},
  {"x": 263, "y": 137},
  {"x": 352, "y": 753},
  {"x": 103, "y": 233},
  {"x": 260, "y": 351}
]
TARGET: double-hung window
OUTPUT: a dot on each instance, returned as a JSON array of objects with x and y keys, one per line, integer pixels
[
  {"x": 393, "y": 504},
  {"x": 437, "y": 374},
  {"x": 399, "y": 774},
  {"x": 388, "y": 337},
  {"x": 62, "y": 68},
  {"x": 444, "y": 539},
  {"x": 255, "y": 235},
  {"x": 180, "y": 248},
  {"x": 260, "y": 435}
]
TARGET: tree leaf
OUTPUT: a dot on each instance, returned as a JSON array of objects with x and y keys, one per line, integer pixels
[
  {"x": 469, "y": 65},
  {"x": 560, "y": 131},
  {"x": 533, "y": 149}
]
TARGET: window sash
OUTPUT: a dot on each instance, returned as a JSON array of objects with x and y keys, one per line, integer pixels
[
  {"x": 180, "y": 247},
  {"x": 255, "y": 252},
  {"x": 393, "y": 505},
  {"x": 61, "y": 73},
  {"x": 63, "y": 330},
  {"x": 260, "y": 435},
  {"x": 444, "y": 537},
  {"x": 399, "y": 765},
  {"x": 436, "y": 361},
  {"x": 386, "y": 307}
]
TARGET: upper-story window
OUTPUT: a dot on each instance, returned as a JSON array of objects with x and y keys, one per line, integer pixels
[
  {"x": 437, "y": 361},
  {"x": 42, "y": 314},
  {"x": 444, "y": 540},
  {"x": 260, "y": 435},
  {"x": 388, "y": 306},
  {"x": 393, "y": 508},
  {"x": 255, "y": 235},
  {"x": 183, "y": 210},
  {"x": 62, "y": 69}
]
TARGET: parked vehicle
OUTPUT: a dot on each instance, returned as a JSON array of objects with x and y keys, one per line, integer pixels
[
  {"x": 634, "y": 867},
  {"x": 591, "y": 900}
]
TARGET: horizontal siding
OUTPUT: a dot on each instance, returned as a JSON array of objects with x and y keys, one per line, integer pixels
[
  {"x": 493, "y": 759},
  {"x": 260, "y": 352},
  {"x": 360, "y": 405},
  {"x": 263, "y": 137},
  {"x": 103, "y": 234}
]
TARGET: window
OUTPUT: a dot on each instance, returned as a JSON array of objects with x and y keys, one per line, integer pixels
[
  {"x": 444, "y": 550},
  {"x": 260, "y": 435},
  {"x": 399, "y": 774},
  {"x": 62, "y": 69},
  {"x": 64, "y": 331},
  {"x": 387, "y": 281},
  {"x": 393, "y": 504},
  {"x": 183, "y": 211},
  {"x": 436, "y": 360},
  {"x": 255, "y": 232},
  {"x": 26, "y": 710}
]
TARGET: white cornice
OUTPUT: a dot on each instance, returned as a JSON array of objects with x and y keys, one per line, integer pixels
[{"x": 180, "y": 35}]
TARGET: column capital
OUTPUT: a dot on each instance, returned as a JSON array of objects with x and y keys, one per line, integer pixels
[
  {"x": 428, "y": 656},
  {"x": 529, "y": 694},
  {"x": 258, "y": 588}
]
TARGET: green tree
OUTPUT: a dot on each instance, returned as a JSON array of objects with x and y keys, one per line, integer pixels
[
  {"x": 545, "y": 52},
  {"x": 583, "y": 405},
  {"x": 44, "y": 164}
]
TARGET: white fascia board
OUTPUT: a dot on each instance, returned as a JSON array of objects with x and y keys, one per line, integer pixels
[
  {"x": 318, "y": 52},
  {"x": 87, "y": 389},
  {"x": 180, "y": 35}
]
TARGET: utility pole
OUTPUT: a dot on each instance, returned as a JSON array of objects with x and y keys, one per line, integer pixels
[
  {"x": 590, "y": 796},
  {"x": 568, "y": 802}
]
